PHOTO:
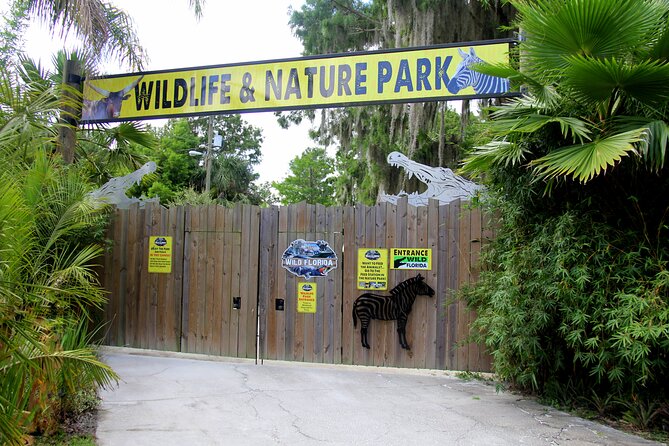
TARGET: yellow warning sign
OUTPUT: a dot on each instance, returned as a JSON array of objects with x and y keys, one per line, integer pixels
[
  {"x": 372, "y": 269},
  {"x": 160, "y": 254},
  {"x": 306, "y": 297}
]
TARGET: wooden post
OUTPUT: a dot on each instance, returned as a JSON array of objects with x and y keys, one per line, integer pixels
[{"x": 69, "y": 115}]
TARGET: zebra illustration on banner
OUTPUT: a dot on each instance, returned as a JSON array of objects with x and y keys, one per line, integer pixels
[
  {"x": 397, "y": 306},
  {"x": 466, "y": 77}
]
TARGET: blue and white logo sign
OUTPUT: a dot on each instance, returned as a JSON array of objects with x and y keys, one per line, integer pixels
[{"x": 309, "y": 259}]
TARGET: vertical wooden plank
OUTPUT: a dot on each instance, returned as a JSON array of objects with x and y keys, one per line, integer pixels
[
  {"x": 252, "y": 282},
  {"x": 196, "y": 279},
  {"x": 244, "y": 212},
  {"x": 487, "y": 235},
  {"x": 141, "y": 277},
  {"x": 200, "y": 315},
  {"x": 335, "y": 329},
  {"x": 155, "y": 282},
  {"x": 441, "y": 268},
  {"x": 217, "y": 244},
  {"x": 282, "y": 278},
  {"x": 453, "y": 279},
  {"x": 167, "y": 306},
  {"x": 383, "y": 329},
  {"x": 158, "y": 298},
  {"x": 186, "y": 283},
  {"x": 473, "y": 350},
  {"x": 131, "y": 293},
  {"x": 420, "y": 311},
  {"x": 176, "y": 317},
  {"x": 206, "y": 266},
  {"x": 120, "y": 264},
  {"x": 228, "y": 335},
  {"x": 268, "y": 271},
  {"x": 463, "y": 273},
  {"x": 349, "y": 290},
  {"x": 432, "y": 242},
  {"x": 236, "y": 275}
]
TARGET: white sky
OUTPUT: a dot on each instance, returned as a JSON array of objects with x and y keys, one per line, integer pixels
[{"x": 229, "y": 32}]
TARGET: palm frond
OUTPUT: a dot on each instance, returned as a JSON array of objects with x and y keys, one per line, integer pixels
[
  {"x": 585, "y": 161},
  {"x": 653, "y": 149},
  {"x": 593, "y": 81},
  {"x": 554, "y": 30},
  {"x": 498, "y": 152}
]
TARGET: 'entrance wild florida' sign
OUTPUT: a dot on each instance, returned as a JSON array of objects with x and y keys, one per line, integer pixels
[{"x": 374, "y": 77}]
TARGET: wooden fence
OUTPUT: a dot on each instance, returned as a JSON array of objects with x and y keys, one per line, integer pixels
[{"x": 220, "y": 254}]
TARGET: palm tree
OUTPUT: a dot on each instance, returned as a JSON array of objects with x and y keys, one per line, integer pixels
[
  {"x": 47, "y": 288},
  {"x": 47, "y": 284},
  {"x": 596, "y": 71}
]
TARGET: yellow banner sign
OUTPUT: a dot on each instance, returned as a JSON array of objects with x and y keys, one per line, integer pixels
[
  {"x": 160, "y": 254},
  {"x": 403, "y": 75}
]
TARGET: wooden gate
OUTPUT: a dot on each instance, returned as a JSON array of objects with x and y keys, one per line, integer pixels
[
  {"x": 191, "y": 309},
  {"x": 222, "y": 254}
]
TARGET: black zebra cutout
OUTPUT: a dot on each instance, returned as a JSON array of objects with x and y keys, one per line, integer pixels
[{"x": 397, "y": 306}]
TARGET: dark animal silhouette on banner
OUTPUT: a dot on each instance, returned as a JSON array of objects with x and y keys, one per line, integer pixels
[
  {"x": 109, "y": 106},
  {"x": 397, "y": 306}
]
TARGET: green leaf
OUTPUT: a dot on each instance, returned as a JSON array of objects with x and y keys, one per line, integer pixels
[
  {"x": 593, "y": 81},
  {"x": 585, "y": 161}
]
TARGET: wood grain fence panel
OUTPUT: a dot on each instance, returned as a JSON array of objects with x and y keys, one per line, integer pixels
[
  {"x": 155, "y": 282},
  {"x": 132, "y": 291},
  {"x": 391, "y": 338},
  {"x": 228, "y": 333},
  {"x": 474, "y": 353},
  {"x": 336, "y": 282},
  {"x": 282, "y": 278},
  {"x": 219, "y": 316},
  {"x": 235, "y": 291},
  {"x": 118, "y": 278},
  {"x": 452, "y": 282},
  {"x": 432, "y": 277},
  {"x": 463, "y": 275},
  {"x": 245, "y": 253},
  {"x": 269, "y": 271},
  {"x": 252, "y": 281},
  {"x": 175, "y": 293},
  {"x": 441, "y": 269},
  {"x": 349, "y": 287}
]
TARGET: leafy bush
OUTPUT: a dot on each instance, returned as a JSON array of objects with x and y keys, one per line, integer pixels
[{"x": 569, "y": 302}]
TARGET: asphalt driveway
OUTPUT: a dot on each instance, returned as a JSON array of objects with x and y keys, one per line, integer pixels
[{"x": 176, "y": 399}]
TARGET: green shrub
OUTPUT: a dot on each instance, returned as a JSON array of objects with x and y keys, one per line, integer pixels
[{"x": 571, "y": 306}]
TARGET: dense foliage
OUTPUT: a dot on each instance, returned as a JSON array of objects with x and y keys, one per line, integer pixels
[
  {"x": 574, "y": 299},
  {"x": 310, "y": 179},
  {"x": 48, "y": 285},
  {"x": 181, "y": 176}
]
